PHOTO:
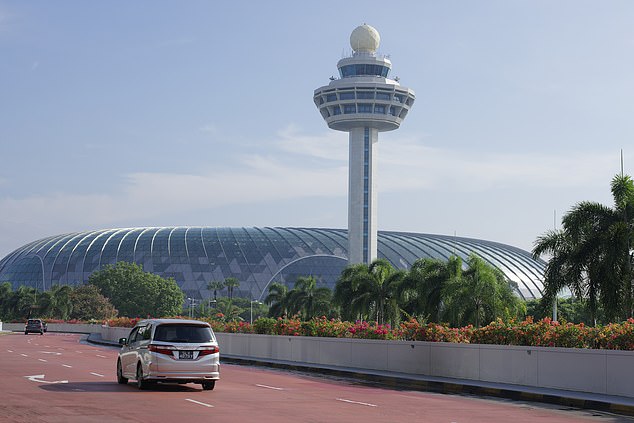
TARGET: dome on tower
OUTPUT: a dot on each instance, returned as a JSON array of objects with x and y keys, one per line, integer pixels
[{"x": 365, "y": 39}]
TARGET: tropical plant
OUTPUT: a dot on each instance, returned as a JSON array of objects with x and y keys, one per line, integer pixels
[
  {"x": 56, "y": 303},
  {"x": 369, "y": 292},
  {"x": 591, "y": 255},
  {"x": 6, "y": 293},
  {"x": 277, "y": 299},
  {"x": 479, "y": 295},
  {"x": 216, "y": 286},
  {"x": 421, "y": 292},
  {"x": 308, "y": 300},
  {"x": 231, "y": 283}
]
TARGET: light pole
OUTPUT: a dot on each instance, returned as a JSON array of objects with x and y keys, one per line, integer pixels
[
  {"x": 253, "y": 301},
  {"x": 191, "y": 307}
]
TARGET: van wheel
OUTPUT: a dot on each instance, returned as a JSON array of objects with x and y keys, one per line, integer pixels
[
  {"x": 120, "y": 379},
  {"x": 209, "y": 386},
  {"x": 140, "y": 382}
]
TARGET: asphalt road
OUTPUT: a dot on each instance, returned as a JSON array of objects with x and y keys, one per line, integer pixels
[{"x": 58, "y": 378}]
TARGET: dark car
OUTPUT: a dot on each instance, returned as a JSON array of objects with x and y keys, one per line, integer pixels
[{"x": 35, "y": 326}]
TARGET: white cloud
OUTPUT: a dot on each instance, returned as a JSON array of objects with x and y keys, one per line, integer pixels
[
  {"x": 330, "y": 145},
  {"x": 405, "y": 165}
]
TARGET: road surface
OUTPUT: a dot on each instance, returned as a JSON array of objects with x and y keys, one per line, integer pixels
[{"x": 59, "y": 378}]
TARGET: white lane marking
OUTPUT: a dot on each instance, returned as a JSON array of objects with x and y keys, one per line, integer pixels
[
  {"x": 66, "y": 365},
  {"x": 96, "y": 374},
  {"x": 50, "y": 352},
  {"x": 102, "y": 356},
  {"x": 40, "y": 378},
  {"x": 269, "y": 387},
  {"x": 9, "y": 350},
  {"x": 357, "y": 402},
  {"x": 24, "y": 355},
  {"x": 42, "y": 360},
  {"x": 199, "y": 403},
  {"x": 78, "y": 352}
]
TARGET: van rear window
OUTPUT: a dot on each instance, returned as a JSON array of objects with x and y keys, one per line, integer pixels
[{"x": 183, "y": 333}]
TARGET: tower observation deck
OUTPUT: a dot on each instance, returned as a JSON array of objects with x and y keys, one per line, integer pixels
[{"x": 363, "y": 101}]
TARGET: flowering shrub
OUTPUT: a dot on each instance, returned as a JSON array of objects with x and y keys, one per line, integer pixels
[
  {"x": 264, "y": 325},
  {"x": 238, "y": 327},
  {"x": 615, "y": 336},
  {"x": 288, "y": 327},
  {"x": 543, "y": 333},
  {"x": 321, "y": 326},
  {"x": 123, "y": 322},
  {"x": 413, "y": 330},
  {"x": 366, "y": 330}
]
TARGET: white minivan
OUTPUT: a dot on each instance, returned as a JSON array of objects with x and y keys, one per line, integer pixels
[{"x": 169, "y": 350}]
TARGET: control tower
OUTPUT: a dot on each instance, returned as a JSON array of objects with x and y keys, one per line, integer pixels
[{"x": 363, "y": 101}]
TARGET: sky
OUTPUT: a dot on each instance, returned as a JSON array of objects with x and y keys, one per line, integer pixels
[{"x": 162, "y": 113}]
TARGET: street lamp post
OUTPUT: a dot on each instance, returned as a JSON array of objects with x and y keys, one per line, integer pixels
[
  {"x": 191, "y": 307},
  {"x": 253, "y": 301}
]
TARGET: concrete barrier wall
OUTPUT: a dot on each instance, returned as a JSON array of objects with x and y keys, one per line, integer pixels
[{"x": 594, "y": 371}]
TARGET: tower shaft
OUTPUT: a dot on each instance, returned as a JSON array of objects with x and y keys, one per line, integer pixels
[{"x": 362, "y": 195}]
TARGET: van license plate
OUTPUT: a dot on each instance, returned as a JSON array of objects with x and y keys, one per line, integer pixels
[{"x": 185, "y": 355}]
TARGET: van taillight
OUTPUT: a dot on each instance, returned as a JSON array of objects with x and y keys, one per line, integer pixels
[
  {"x": 162, "y": 349},
  {"x": 207, "y": 351}
]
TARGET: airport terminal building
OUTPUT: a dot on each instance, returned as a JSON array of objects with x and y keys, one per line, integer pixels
[{"x": 195, "y": 256}]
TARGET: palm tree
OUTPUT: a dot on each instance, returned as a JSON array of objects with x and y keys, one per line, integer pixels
[
  {"x": 231, "y": 283},
  {"x": 479, "y": 294},
  {"x": 5, "y": 296},
  {"x": 277, "y": 300},
  {"x": 216, "y": 286},
  {"x": 591, "y": 255},
  {"x": 56, "y": 303},
  {"x": 369, "y": 291},
  {"x": 307, "y": 299},
  {"x": 422, "y": 288}
]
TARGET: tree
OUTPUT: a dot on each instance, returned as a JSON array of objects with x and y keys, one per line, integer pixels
[
  {"x": 591, "y": 255},
  {"x": 480, "y": 294},
  {"x": 307, "y": 299},
  {"x": 56, "y": 303},
  {"x": 216, "y": 286},
  {"x": 90, "y": 304},
  {"x": 6, "y": 293},
  {"x": 231, "y": 283},
  {"x": 369, "y": 292},
  {"x": 137, "y": 293},
  {"x": 277, "y": 299},
  {"x": 421, "y": 292},
  {"x": 23, "y": 302}
]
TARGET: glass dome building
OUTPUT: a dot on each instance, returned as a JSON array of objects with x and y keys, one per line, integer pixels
[{"x": 194, "y": 256}]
